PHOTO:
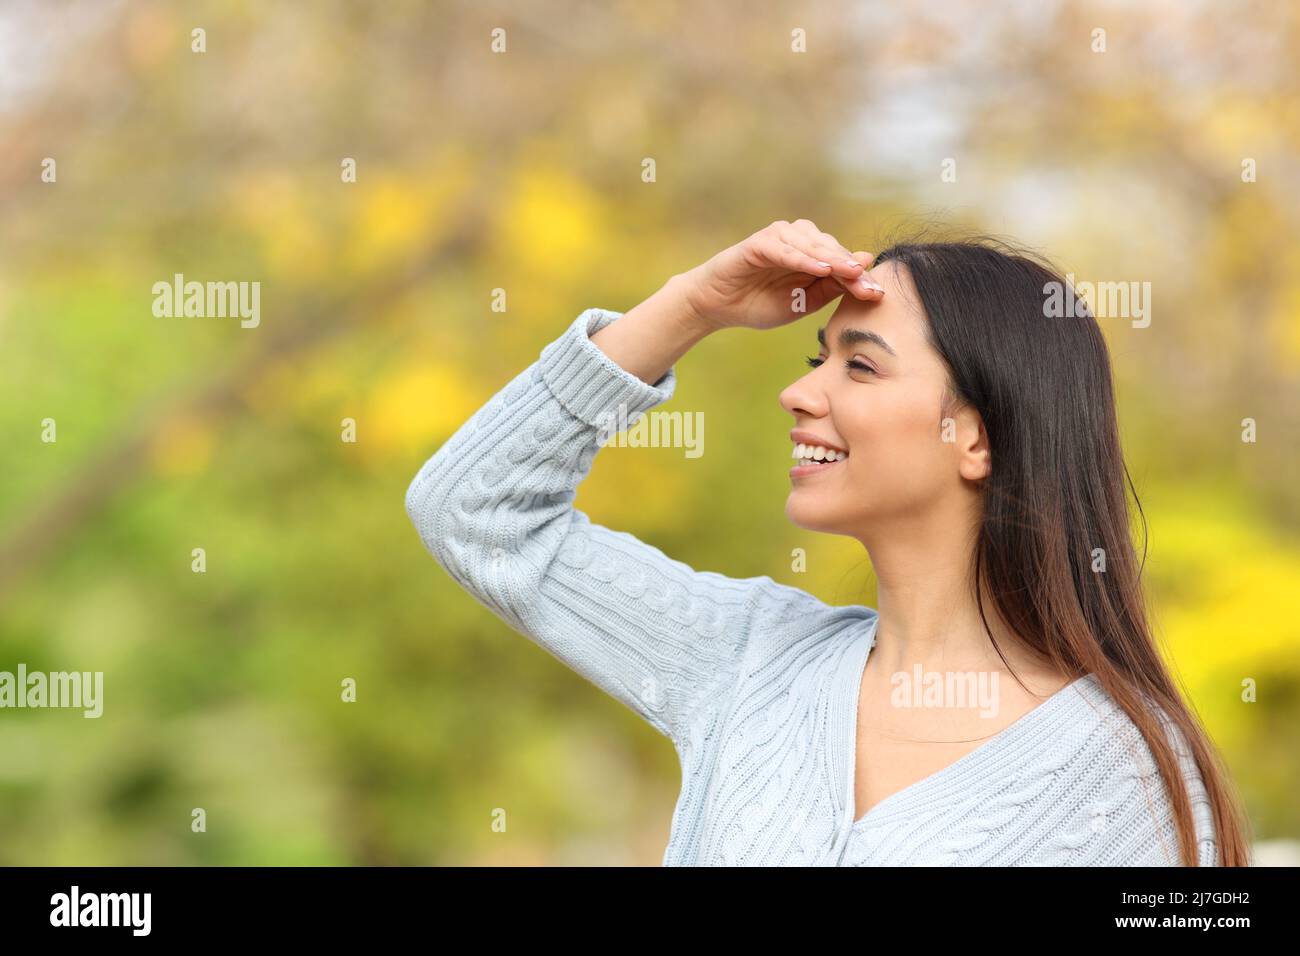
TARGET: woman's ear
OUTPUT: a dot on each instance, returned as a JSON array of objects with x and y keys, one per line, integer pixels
[{"x": 974, "y": 457}]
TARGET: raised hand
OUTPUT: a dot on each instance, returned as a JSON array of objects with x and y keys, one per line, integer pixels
[{"x": 754, "y": 283}]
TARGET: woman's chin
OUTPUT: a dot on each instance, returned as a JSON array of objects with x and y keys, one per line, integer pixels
[{"x": 806, "y": 513}]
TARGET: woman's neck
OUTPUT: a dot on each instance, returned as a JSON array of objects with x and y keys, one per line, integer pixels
[{"x": 928, "y": 612}]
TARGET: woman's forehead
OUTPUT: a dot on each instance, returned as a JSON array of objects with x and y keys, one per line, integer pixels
[{"x": 897, "y": 317}]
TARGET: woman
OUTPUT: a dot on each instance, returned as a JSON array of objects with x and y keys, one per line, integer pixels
[{"x": 969, "y": 442}]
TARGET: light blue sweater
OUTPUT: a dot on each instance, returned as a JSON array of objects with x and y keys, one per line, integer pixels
[{"x": 756, "y": 682}]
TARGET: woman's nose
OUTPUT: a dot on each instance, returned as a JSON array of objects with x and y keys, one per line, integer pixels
[{"x": 803, "y": 399}]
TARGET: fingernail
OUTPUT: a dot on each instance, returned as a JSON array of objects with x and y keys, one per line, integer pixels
[
  {"x": 825, "y": 264},
  {"x": 854, "y": 262},
  {"x": 868, "y": 284}
]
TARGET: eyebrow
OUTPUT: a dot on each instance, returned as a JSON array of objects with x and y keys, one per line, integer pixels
[{"x": 850, "y": 337}]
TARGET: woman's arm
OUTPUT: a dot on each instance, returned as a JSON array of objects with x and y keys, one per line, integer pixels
[
  {"x": 649, "y": 339},
  {"x": 494, "y": 505}
]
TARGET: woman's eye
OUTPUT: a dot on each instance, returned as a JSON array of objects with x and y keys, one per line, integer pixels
[{"x": 852, "y": 364}]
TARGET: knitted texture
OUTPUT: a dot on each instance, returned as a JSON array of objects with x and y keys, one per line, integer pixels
[{"x": 755, "y": 682}]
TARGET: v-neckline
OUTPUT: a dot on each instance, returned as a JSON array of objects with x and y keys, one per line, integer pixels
[{"x": 1016, "y": 727}]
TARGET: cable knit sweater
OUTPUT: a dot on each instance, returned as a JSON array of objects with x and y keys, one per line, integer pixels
[{"x": 756, "y": 683}]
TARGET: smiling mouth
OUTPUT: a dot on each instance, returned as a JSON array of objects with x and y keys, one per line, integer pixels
[{"x": 811, "y": 458}]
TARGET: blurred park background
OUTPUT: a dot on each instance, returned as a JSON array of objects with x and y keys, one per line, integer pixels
[{"x": 522, "y": 170}]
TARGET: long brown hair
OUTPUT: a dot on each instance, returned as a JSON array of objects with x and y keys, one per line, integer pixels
[{"x": 1042, "y": 385}]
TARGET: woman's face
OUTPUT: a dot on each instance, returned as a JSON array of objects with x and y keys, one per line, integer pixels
[{"x": 887, "y": 416}]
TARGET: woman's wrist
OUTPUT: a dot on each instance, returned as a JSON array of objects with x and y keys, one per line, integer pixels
[
  {"x": 681, "y": 286},
  {"x": 649, "y": 338}
]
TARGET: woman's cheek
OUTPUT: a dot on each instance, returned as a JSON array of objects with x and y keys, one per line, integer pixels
[{"x": 917, "y": 439}]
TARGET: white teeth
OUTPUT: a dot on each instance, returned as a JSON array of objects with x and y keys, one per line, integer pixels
[{"x": 809, "y": 453}]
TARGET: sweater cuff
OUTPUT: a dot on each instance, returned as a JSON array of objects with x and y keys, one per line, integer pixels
[{"x": 591, "y": 385}]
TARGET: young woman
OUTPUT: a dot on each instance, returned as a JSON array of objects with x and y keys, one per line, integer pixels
[{"x": 969, "y": 442}]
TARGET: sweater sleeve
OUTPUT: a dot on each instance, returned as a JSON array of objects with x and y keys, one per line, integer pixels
[{"x": 494, "y": 506}]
